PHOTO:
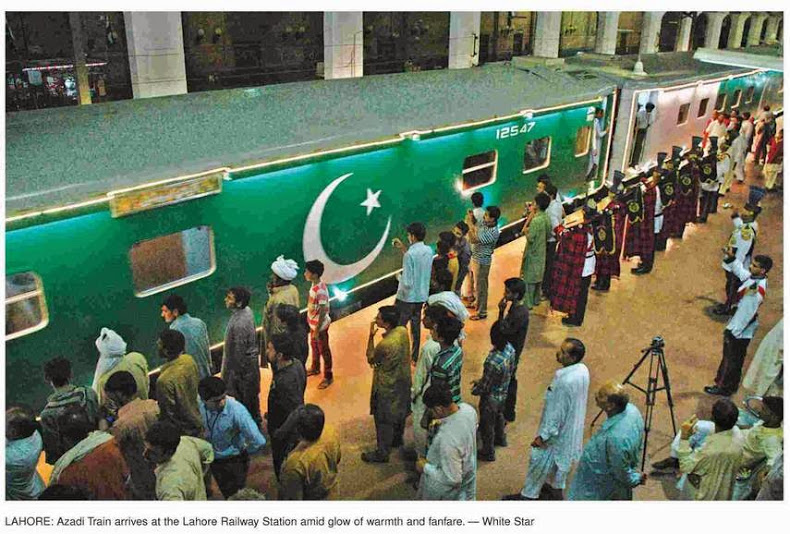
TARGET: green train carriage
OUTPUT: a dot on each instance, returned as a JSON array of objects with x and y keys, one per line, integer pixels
[{"x": 73, "y": 267}]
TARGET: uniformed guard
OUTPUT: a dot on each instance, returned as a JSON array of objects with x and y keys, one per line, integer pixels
[
  {"x": 708, "y": 181},
  {"x": 608, "y": 236},
  {"x": 640, "y": 236},
  {"x": 658, "y": 174},
  {"x": 741, "y": 328},
  {"x": 742, "y": 242}
]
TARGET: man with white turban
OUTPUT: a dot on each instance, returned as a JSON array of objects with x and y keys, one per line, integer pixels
[
  {"x": 113, "y": 358},
  {"x": 281, "y": 292}
]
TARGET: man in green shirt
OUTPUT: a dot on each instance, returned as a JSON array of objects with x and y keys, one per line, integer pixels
[
  {"x": 390, "y": 394},
  {"x": 177, "y": 385},
  {"x": 537, "y": 228}
]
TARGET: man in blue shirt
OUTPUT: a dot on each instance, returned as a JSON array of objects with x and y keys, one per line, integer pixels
[
  {"x": 232, "y": 433},
  {"x": 414, "y": 282},
  {"x": 609, "y": 467},
  {"x": 174, "y": 312}
]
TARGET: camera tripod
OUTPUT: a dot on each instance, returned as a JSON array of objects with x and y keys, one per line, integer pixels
[{"x": 658, "y": 364}]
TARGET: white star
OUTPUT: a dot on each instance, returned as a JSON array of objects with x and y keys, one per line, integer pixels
[{"x": 372, "y": 201}]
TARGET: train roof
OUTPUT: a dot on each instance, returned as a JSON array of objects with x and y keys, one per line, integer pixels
[
  {"x": 61, "y": 156},
  {"x": 661, "y": 69}
]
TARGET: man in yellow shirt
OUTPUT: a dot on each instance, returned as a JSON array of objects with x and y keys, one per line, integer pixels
[
  {"x": 713, "y": 467},
  {"x": 310, "y": 471}
]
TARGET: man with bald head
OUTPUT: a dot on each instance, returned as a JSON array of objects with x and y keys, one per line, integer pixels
[
  {"x": 608, "y": 469},
  {"x": 558, "y": 445}
]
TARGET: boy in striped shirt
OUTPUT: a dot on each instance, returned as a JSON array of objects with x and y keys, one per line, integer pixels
[{"x": 318, "y": 320}]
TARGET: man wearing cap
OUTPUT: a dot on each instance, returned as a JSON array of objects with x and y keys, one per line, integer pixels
[
  {"x": 741, "y": 328},
  {"x": 660, "y": 175},
  {"x": 709, "y": 182},
  {"x": 641, "y": 234},
  {"x": 687, "y": 193},
  {"x": 742, "y": 241},
  {"x": 668, "y": 194},
  {"x": 281, "y": 292},
  {"x": 608, "y": 236}
]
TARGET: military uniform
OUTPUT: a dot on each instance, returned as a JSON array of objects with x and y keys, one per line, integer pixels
[
  {"x": 709, "y": 182},
  {"x": 740, "y": 330},
  {"x": 742, "y": 241}
]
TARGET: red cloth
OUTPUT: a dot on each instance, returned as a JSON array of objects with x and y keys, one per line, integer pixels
[
  {"x": 670, "y": 218},
  {"x": 102, "y": 472},
  {"x": 609, "y": 264},
  {"x": 775, "y": 151},
  {"x": 639, "y": 237},
  {"x": 566, "y": 278}
]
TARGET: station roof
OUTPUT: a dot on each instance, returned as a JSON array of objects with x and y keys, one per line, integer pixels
[
  {"x": 61, "y": 156},
  {"x": 660, "y": 69},
  {"x": 768, "y": 57}
]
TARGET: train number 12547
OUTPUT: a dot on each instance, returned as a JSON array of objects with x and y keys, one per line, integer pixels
[{"x": 512, "y": 131}]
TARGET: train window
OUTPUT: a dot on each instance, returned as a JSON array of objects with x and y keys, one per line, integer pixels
[
  {"x": 172, "y": 260},
  {"x": 703, "y": 107},
  {"x": 683, "y": 114},
  {"x": 479, "y": 170},
  {"x": 720, "y": 100},
  {"x": 749, "y": 94},
  {"x": 736, "y": 96},
  {"x": 25, "y": 307},
  {"x": 582, "y": 141},
  {"x": 537, "y": 154}
]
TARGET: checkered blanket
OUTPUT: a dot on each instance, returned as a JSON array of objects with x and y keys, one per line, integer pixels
[
  {"x": 639, "y": 237},
  {"x": 566, "y": 275},
  {"x": 684, "y": 209},
  {"x": 609, "y": 264}
]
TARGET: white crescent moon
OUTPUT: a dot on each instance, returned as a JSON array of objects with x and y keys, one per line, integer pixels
[{"x": 313, "y": 248}]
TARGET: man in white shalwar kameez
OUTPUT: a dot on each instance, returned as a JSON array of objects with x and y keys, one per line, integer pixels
[
  {"x": 449, "y": 473},
  {"x": 764, "y": 376},
  {"x": 558, "y": 445}
]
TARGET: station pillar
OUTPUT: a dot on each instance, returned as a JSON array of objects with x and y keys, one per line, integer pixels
[
  {"x": 343, "y": 40},
  {"x": 736, "y": 30},
  {"x": 773, "y": 28},
  {"x": 756, "y": 29},
  {"x": 547, "y": 34},
  {"x": 683, "y": 43},
  {"x": 651, "y": 28},
  {"x": 464, "y": 39},
  {"x": 713, "y": 29},
  {"x": 606, "y": 36},
  {"x": 156, "y": 53}
]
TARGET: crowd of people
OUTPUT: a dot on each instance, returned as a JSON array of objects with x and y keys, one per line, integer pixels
[{"x": 119, "y": 439}]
